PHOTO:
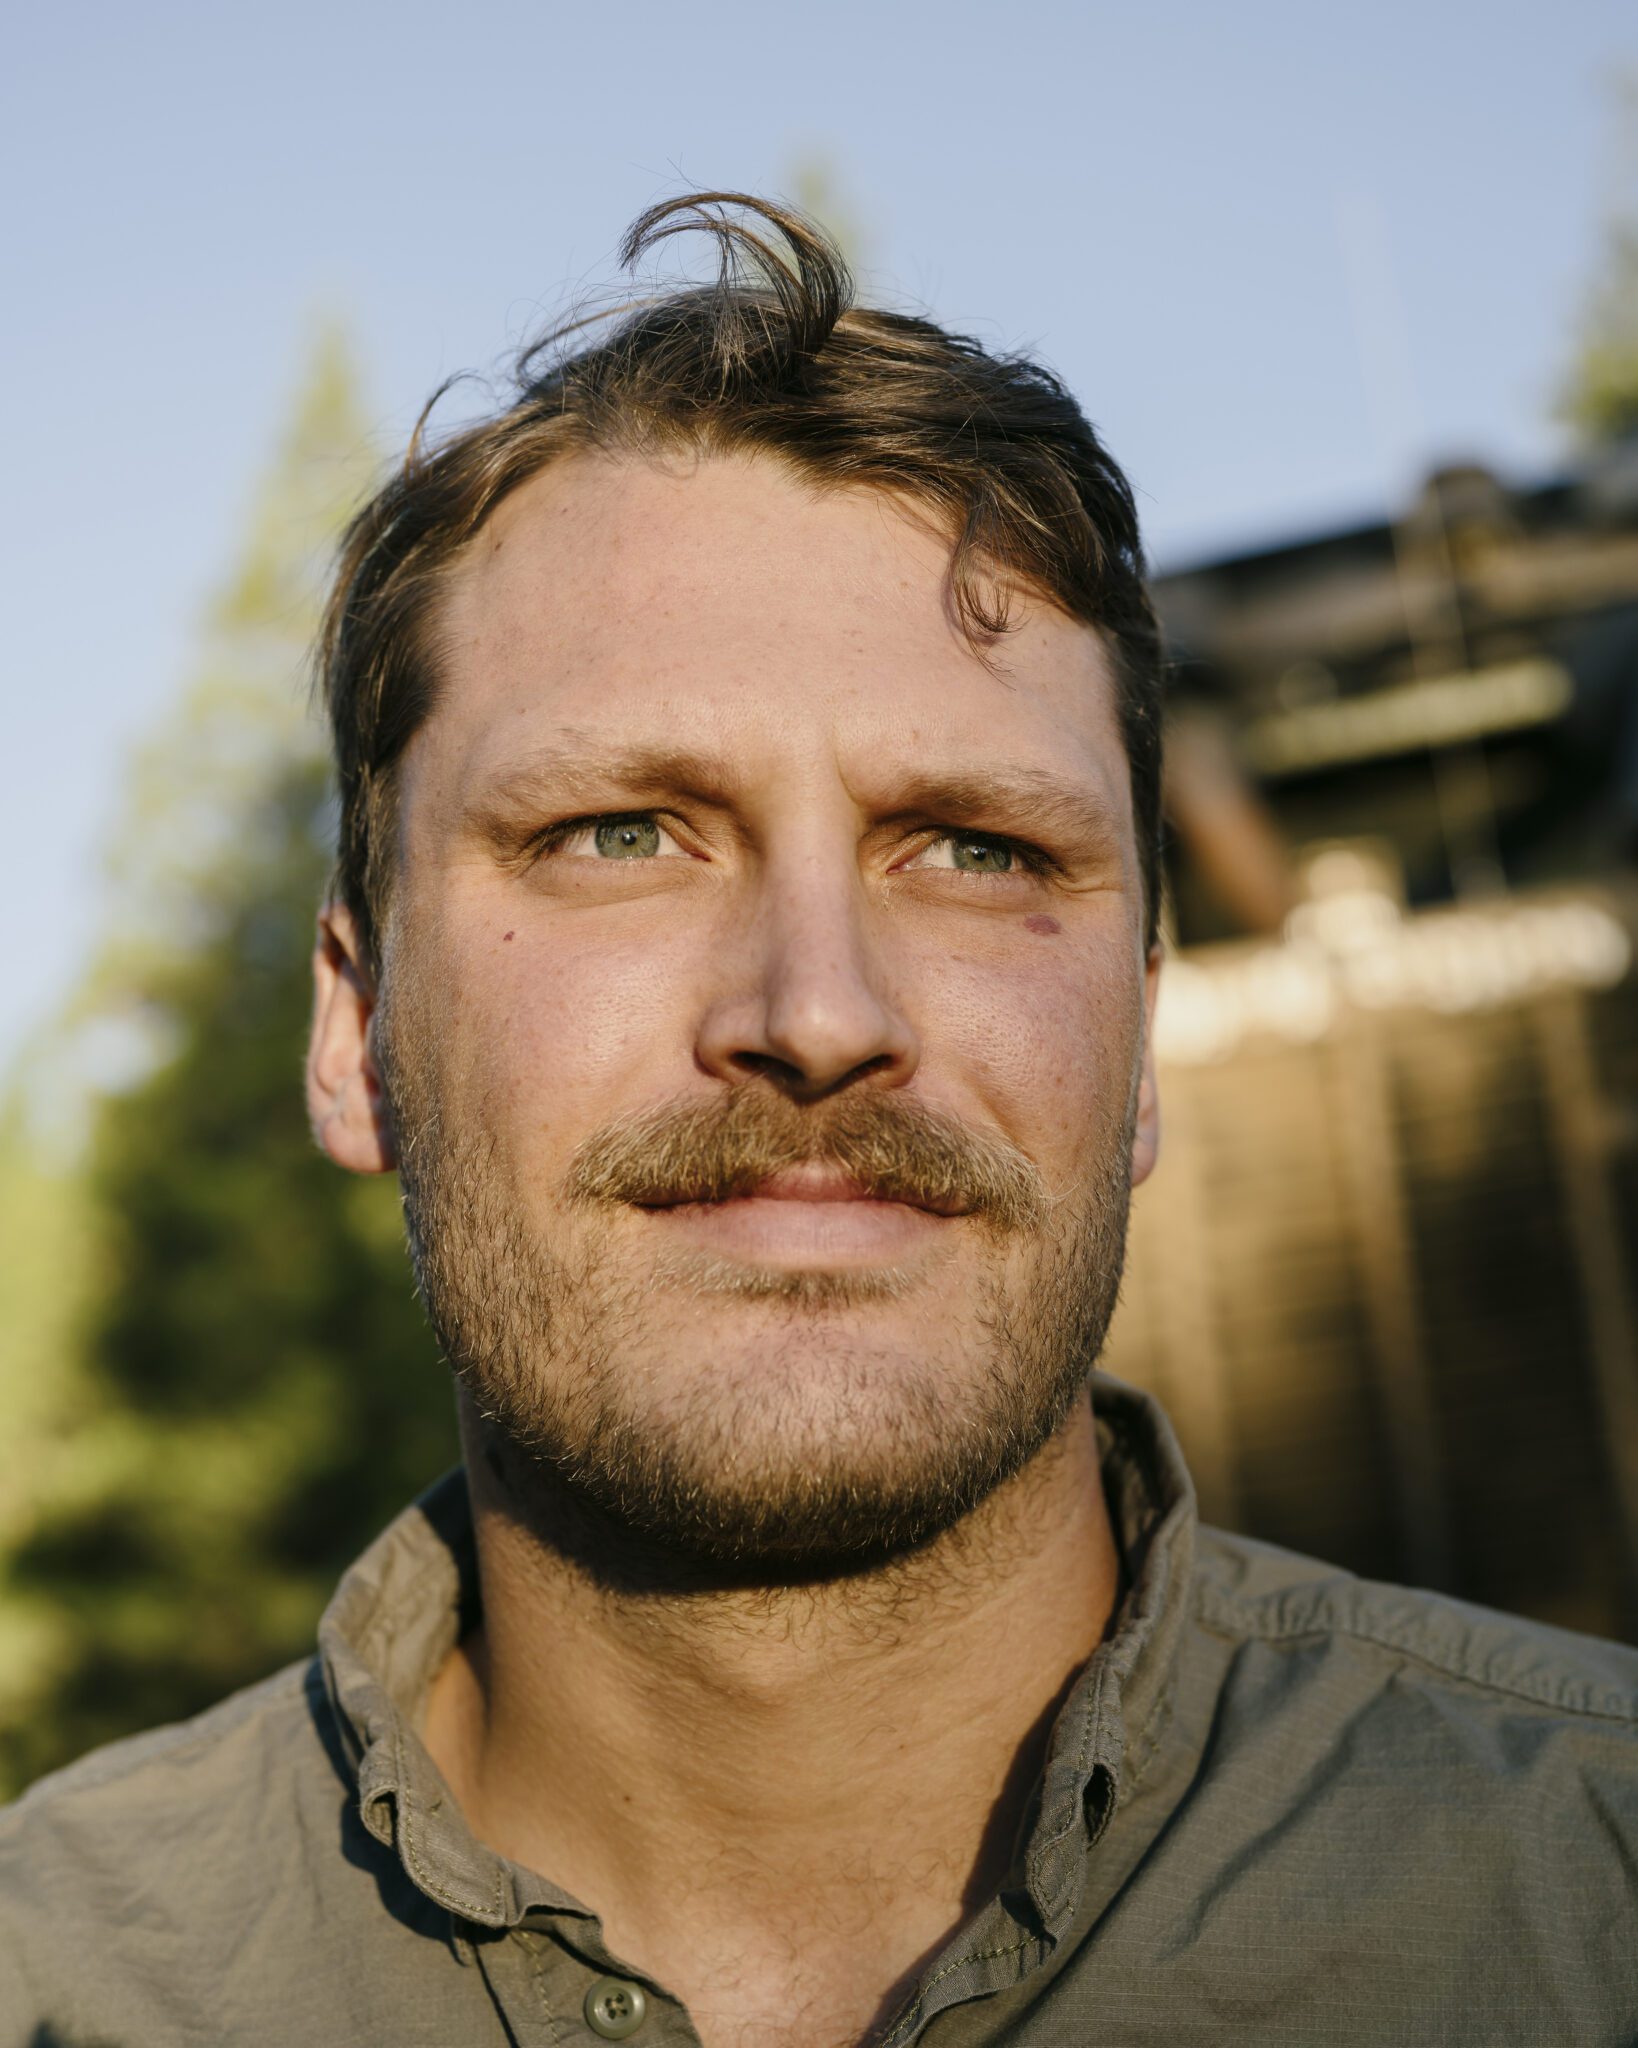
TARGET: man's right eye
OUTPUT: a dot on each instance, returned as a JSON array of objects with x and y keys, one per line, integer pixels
[
  {"x": 636, "y": 836},
  {"x": 627, "y": 838}
]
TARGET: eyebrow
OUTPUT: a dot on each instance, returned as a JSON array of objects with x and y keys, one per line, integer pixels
[
  {"x": 1022, "y": 800},
  {"x": 575, "y": 772}
]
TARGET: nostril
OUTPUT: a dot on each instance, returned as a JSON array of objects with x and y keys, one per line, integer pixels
[
  {"x": 804, "y": 1040},
  {"x": 792, "y": 1079},
  {"x": 767, "y": 1067}
]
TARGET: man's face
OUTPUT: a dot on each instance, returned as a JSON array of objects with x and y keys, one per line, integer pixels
[{"x": 763, "y": 1008}]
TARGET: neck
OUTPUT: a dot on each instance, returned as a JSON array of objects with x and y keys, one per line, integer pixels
[{"x": 750, "y": 1784}]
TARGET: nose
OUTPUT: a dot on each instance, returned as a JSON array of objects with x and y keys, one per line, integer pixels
[{"x": 806, "y": 1002}]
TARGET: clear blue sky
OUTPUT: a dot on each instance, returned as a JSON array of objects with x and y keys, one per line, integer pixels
[{"x": 1168, "y": 201}]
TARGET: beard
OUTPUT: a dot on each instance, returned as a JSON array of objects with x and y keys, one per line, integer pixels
[{"x": 808, "y": 1442}]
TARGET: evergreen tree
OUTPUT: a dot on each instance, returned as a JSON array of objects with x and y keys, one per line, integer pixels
[
  {"x": 253, "y": 1390},
  {"x": 1600, "y": 399}
]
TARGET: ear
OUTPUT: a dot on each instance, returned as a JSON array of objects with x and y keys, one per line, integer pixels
[
  {"x": 1146, "y": 1134},
  {"x": 345, "y": 1101}
]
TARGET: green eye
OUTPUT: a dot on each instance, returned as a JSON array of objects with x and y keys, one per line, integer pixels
[
  {"x": 627, "y": 839},
  {"x": 980, "y": 856}
]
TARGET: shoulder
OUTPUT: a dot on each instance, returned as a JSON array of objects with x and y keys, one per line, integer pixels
[
  {"x": 1385, "y": 1802},
  {"x": 137, "y": 1796},
  {"x": 1469, "y": 1739},
  {"x": 1255, "y": 1593},
  {"x": 1449, "y": 1784},
  {"x": 152, "y": 1851}
]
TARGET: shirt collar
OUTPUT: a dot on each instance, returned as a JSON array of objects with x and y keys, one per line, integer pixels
[
  {"x": 1117, "y": 1711},
  {"x": 403, "y": 1606}
]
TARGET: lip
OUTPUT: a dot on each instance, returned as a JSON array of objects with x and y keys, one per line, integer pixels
[
  {"x": 811, "y": 1216},
  {"x": 813, "y": 1182}
]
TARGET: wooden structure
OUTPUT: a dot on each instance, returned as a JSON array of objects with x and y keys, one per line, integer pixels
[{"x": 1386, "y": 1276}]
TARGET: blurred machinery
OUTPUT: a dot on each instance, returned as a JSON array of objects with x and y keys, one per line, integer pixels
[{"x": 1386, "y": 1276}]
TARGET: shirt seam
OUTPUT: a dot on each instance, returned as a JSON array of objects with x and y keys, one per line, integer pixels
[
  {"x": 1240, "y": 1619},
  {"x": 537, "y": 1970},
  {"x": 470, "y": 1909},
  {"x": 1128, "y": 1447},
  {"x": 1151, "y": 1738},
  {"x": 1094, "y": 1715},
  {"x": 988, "y": 1955}
]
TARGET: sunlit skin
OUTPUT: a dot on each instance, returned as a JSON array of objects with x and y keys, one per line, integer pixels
[{"x": 716, "y": 795}]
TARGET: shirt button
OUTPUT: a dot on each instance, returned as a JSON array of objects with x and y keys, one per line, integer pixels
[{"x": 615, "y": 2008}]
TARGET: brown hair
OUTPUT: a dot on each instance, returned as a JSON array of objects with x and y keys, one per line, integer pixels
[{"x": 773, "y": 356}]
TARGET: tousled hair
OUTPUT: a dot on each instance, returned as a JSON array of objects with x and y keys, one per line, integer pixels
[{"x": 773, "y": 356}]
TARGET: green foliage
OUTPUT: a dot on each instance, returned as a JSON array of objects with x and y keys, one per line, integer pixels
[
  {"x": 820, "y": 192},
  {"x": 42, "y": 1276},
  {"x": 1600, "y": 399},
  {"x": 250, "y": 1390}
]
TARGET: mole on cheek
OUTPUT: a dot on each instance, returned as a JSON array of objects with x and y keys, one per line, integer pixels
[
  {"x": 507, "y": 935},
  {"x": 1043, "y": 924}
]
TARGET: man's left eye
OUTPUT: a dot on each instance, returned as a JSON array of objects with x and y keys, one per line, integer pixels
[{"x": 970, "y": 852}]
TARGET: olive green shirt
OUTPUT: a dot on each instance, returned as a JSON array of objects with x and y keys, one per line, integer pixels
[{"x": 1281, "y": 1805}]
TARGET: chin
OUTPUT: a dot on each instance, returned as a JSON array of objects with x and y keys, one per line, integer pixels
[{"x": 804, "y": 1451}]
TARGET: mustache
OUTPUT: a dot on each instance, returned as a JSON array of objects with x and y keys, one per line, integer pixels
[{"x": 895, "y": 1148}]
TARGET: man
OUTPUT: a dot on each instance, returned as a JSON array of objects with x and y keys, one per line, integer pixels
[{"x": 743, "y": 949}]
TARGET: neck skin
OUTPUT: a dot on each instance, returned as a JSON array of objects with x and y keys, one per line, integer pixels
[{"x": 781, "y": 1804}]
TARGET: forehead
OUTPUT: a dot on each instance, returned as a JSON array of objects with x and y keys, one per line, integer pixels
[{"x": 728, "y": 601}]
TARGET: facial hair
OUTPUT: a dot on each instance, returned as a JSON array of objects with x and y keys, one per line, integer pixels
[{"x": 744, "y": 1469}]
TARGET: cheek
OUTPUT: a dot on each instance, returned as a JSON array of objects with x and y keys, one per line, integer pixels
[
  {"x": 563, "y": 1031},
  {"x": 1045, "y": 1031}
]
